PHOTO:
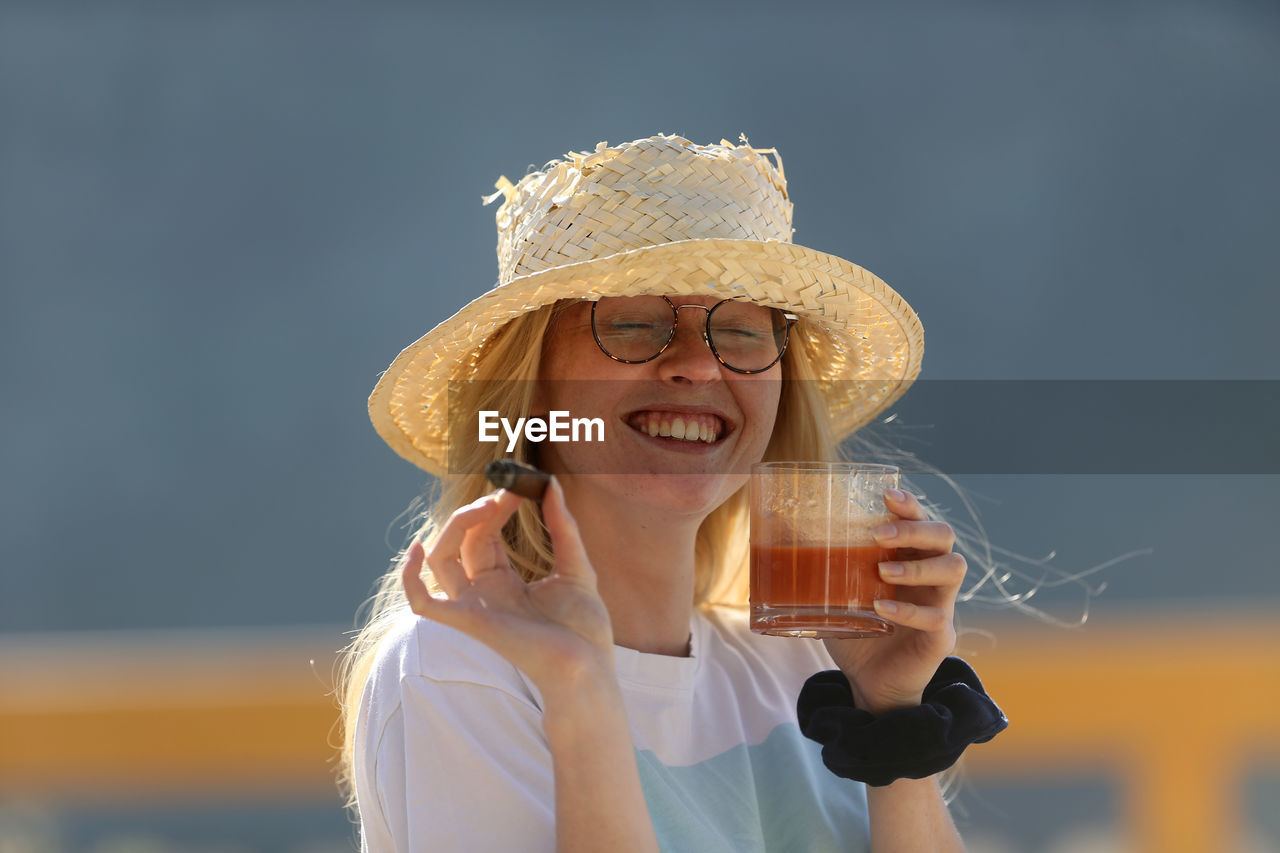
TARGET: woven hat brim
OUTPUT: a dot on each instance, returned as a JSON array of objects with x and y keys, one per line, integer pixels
[{"x": 866, "y": 350}]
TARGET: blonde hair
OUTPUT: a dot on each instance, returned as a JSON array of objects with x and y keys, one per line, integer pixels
[{"x": 505, "y": 368}]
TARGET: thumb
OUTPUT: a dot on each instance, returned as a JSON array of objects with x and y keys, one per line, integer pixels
[{"x": 566, "y": 541}]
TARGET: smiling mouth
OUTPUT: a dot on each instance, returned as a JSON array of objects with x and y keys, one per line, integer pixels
[{"x": 684, "y": 426}]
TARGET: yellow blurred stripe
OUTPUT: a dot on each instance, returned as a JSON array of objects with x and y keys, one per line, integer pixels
[
  {"x": 1176, "y": 707},
  {"x": 183, "y": 714}
]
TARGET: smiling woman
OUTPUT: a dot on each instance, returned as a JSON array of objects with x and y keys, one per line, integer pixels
[
  {"x": 684, "y": 385},
  {"x": 579, "y": 675}
]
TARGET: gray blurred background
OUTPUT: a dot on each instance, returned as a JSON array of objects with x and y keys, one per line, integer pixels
[{"x": 220, "y": 222}]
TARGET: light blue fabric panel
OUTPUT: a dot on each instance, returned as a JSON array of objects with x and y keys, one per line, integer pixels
[{"x": 773, "y": 797}]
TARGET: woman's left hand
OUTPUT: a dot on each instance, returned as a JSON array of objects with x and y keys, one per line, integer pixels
[{"x": 891, "y": 672}]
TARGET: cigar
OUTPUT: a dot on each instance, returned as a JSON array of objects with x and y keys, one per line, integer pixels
[{"x": 525, "y": 480}]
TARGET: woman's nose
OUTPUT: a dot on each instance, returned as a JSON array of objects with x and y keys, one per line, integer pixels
[{"x": 689, "y": 356}]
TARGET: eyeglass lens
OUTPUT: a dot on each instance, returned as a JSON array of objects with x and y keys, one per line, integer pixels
[{"x": 744, "y": 335}]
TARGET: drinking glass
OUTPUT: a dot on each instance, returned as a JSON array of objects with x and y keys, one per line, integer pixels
[{"x": 814, "y": 559}]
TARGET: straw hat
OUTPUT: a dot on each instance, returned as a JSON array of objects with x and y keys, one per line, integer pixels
[{"x": 660, "y": 215}]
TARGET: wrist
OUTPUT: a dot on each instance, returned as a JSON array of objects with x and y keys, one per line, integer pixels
[
  {"x": 583, "y": 692},
  {"x": 906, "y": 742}
]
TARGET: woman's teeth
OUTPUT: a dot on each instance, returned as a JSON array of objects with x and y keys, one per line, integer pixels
[{"x": 685, "y": 426}]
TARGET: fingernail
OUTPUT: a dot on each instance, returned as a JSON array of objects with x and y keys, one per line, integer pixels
[
  {"x": 892, "y": 570},
  {"x": 895, "y": 494},
  {"x": 886, "y": 605},
  {"x": 886, "y": 531}
]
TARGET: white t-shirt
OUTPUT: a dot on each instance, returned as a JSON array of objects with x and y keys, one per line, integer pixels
[{"x": 450, "y": 752}]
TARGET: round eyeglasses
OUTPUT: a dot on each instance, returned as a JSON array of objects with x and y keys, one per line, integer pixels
[{"x": 744, "y": 336}]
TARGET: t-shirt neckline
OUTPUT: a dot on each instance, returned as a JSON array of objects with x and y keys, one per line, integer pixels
[{"x": 668, "y": 672}]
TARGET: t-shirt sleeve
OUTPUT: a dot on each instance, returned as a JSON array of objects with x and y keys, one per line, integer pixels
[{"x": 455, "y": 757}]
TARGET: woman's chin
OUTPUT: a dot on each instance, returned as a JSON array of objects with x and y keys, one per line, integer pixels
[{"x": 680, "y": 495}]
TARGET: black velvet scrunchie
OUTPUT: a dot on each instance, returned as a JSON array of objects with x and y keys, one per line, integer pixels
[{"x": 909, "y": 743}]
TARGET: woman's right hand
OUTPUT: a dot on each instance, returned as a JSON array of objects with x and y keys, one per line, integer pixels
[
  {"x": 550, "y": 628},
  {"x": 557, "y": 631}
]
